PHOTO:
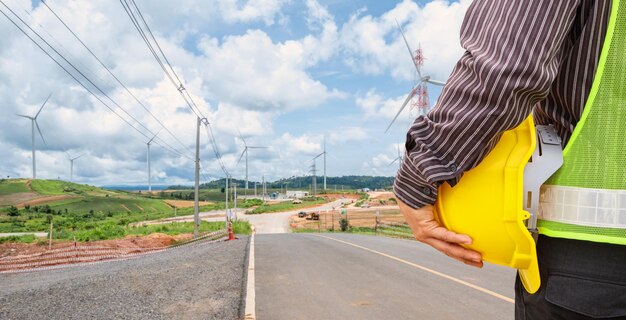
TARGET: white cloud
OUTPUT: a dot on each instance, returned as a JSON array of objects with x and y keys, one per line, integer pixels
[
  {"x": 347, "y": 134},
  {"x": 375, "y": 106},
  {"x": 242, "y": 79},
  {"x": 252, "y": 10},
  {"x": 374, "y": 44}
]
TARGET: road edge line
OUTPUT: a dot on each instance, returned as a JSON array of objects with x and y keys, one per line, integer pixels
[
  {"x": 437, "y": 273},
  {"x": 250, "y": 286}
]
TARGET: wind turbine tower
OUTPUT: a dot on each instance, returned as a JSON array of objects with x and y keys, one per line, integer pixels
[
  {"x": 324, "y": 162},
  {"x": 149, "y": 170},
  {"x": 245, "y": 152},
  {"x": 33, "y": 125},
  {"x": 72, "y": 165}
]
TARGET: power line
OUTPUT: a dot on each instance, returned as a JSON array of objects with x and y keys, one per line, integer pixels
[
  {"x": 181, "y": 87},
  {"x": 113, "y": 75},
  {"x": 178, "y": 85},
  {"x": 82, "y": 74}
]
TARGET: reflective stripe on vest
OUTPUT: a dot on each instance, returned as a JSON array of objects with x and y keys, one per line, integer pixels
[
  {"x": 586, "y": 198},
  {"x": 582, "y": 206}
]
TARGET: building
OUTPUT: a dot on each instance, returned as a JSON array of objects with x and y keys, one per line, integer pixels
[{"x": 297, "y": 194}]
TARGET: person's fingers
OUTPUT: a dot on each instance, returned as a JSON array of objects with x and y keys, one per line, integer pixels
[
  {"x": 456, "y": 251},
  {"x": 446, "y": 235}
]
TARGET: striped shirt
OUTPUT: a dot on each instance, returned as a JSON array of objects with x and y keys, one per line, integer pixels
[{"x": 524, "y": 56}]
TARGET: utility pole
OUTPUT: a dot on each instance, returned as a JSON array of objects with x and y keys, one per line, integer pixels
[
  {"x": 149, "y": 171},
  {"x": 263, "y": 188},
  {"x": 255, "y": 189},
  {"x": 196, "y": 198},
  {"x": 226, "y": 191},
  {"x": 235, "y": 197}
]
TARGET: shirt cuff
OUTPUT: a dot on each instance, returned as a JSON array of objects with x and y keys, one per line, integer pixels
[{"x": 410, "y": 187}]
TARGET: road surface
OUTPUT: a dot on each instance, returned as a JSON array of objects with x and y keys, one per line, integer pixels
[
  {"x": 271, "y": 223},
  {"x": 344, "y": 276}
]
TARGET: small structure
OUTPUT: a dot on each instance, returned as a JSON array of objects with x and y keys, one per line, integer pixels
[
  {"x": 364, "y": 190},
  {"x": 297, "y": 194}
]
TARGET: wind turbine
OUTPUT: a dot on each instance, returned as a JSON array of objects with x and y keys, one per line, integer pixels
[
  {"x": 245, "y": 151},
  {"x": 420, "y": 87},
  {"x": 399, "y": 158},
  {"x": 149, "y": 171},
  {"x": 72, "y": 165},
  {"x": 33, "y": 125}
]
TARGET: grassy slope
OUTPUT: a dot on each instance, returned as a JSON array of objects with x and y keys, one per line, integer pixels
[{"x": 8, "y": 187}]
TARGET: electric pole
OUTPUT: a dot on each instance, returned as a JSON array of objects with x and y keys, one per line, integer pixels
[{"x": 196, "y": 197}]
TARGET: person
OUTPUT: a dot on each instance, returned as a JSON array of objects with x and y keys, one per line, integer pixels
[{"x": 523, "y": 57}]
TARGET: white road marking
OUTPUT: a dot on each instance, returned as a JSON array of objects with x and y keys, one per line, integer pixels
[
  {"x": 451, "y": 278},
  {"x": 250, "y": 294}
]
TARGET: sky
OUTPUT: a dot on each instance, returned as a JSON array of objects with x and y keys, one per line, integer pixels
[{"x": 282, "y": 73}]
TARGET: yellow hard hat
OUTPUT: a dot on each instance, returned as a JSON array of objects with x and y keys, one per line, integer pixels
[{"x": 487, "y": 205}]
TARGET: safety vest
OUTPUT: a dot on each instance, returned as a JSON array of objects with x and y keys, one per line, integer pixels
[{"x": 586, "y": 198}]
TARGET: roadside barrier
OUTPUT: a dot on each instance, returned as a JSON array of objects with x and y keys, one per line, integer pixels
[{"x": 84, "y": 255}]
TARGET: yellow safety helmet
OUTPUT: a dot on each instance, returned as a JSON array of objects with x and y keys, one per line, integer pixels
[{"x": 488, "y": 204}]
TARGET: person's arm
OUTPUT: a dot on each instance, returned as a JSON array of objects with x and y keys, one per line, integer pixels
[{"x": 513, "y": 51}]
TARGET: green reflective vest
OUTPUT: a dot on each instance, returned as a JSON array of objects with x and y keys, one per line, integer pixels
[{"x": 586, "y": 198}]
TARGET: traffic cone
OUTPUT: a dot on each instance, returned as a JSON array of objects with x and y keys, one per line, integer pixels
[{"x": 231, "y": 234}]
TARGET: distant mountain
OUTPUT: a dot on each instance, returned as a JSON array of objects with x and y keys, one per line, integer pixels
[
  {"x": 347, "y": 182},
  {"x": 133, "y": 187}
]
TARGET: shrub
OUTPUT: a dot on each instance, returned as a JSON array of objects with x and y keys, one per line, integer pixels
[
  {"x": 344, "y": 225},
  {"x": 13, "y": 211}
]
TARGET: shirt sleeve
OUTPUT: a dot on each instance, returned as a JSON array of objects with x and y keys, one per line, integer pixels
[{"x": 513, "y": 53}]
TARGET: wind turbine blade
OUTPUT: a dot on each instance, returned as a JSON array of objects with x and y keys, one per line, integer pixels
[
  {"x": 40, "y": 134},
  {"x": 419, "y": 72},
  {"x": 258, "y": 147},
  {"x": 43, "y": 105},
  {"x": 244, "y": 151},
  {"x": 406, "y": 101},
  {"x": 392, "y": 162},
  {"x": 242, "y": 139},
  {"x": 79, "y": 156},
  {"x": 23, "y": 116},
  {"x": 436, "y": 82},
  {"x": 155, "y": 135}
]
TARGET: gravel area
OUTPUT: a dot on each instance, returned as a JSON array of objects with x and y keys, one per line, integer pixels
[{"x": 198, "y": 281}]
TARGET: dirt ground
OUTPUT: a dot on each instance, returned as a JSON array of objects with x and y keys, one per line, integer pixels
[
  {"x": 356, "y": 218},
  {"x": 381, "y": 195},
  {"x": 155, "y": 240},
  {"x": 186, "y": 203}
]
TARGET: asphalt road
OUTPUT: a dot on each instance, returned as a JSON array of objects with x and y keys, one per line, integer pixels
[
  {"x": 307, "y": 276},
  {"x": 271, "y": 223}
]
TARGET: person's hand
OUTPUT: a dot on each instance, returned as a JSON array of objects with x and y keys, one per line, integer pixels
[{"x": 427, "y": 230}]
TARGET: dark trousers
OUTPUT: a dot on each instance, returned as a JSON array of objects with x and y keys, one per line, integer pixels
[{"x": 579, "y": 280}]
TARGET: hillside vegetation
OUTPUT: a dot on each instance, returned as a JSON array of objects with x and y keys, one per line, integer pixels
[
  {"x": 76, "y": 210},
  {"x": 347, "y": 182}
]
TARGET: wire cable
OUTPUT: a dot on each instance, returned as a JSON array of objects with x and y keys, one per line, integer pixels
[
  {"x": 81, "y": 73},
  {"x": 113, "y": 75}
]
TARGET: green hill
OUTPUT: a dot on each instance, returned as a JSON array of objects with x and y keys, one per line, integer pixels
[{"x": 30, "y": 205}]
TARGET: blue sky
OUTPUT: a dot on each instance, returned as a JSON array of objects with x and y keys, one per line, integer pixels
[{"x": 284, "y": 73}]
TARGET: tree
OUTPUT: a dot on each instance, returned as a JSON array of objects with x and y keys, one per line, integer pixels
[{"x": 13, "y": 211}]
